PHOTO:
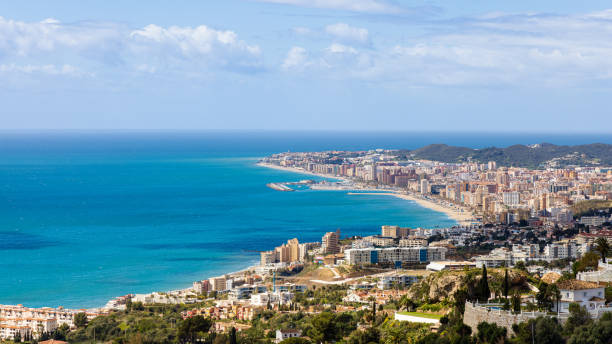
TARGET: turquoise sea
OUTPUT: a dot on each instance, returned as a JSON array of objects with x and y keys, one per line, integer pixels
[{"x": 88, "y": 216}]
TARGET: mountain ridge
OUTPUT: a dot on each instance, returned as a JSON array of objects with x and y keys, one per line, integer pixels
[{"x": 540, "y": 155}]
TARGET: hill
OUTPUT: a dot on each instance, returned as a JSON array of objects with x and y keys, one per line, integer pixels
[{"x": 533, "y": 156}]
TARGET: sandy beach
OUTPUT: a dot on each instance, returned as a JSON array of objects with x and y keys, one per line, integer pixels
[
  {"x": 299, "y": 170},
  {"x": 464, "y": 218}
]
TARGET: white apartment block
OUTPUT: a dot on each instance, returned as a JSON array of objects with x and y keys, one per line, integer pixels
[
  {"x": 424, "y": 186},
  {"x": 511, "y": 198},
  {"x": 380, "y": 241},
  {"x": 413, "y": 242},
  {"x": 497, "y": 257},
  {"x": 396, "y": 255},
  {"x": 561, "y": 250},
  {"x": 388, "y": 282},
  {"x": 262, "y": 299},
  {"x": 593, "y": 220},
  {"x": 34, "y": 321}
]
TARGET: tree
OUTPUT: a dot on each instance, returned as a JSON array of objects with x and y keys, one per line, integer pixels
[
  {"x": 220, "y": 338},
  {"x": 579, "y": 316},
  {"x": 232, "y": 336},
  {"x": 399, "y": 332},
  {"x": 589, "y": 261},
  {"x": 373, "y": 308},
  {"x": 603, "y": 247},
  {"x": 407, "y": 303},
  {"x": 297, "y": 340},
  {"x": 554, "y": 294},
  {"x": 520, "y": 265},
  {"x": 80, "y": 320},
  {"x": 516, "y": 302},
  {"x": 484, "y": 292},
  {"x": 460, "y": 333},
  {"x": 506, "y": 284},
  {"x": 17, "y": 337},
  {"x": 191, "y": 329},
  {"x": 506, "y": 305},
  {"x": 490, "y": 333},
  {"x": 323, "y": 328},
  {"x": 460, "y": 296},
  {"x": 542, "y": 330},
  {"x": 369, "y": 335},
  {"x": 598, "y": 332},
  {"x": 543, "y": 297}
]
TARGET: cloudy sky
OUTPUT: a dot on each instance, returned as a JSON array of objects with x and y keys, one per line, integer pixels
[{"x": 471, "y": 65}]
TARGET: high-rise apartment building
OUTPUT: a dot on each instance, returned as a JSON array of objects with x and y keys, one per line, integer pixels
[
  {"x": 330, "y": 242},
  {"x": 395, "y": 231},
  {"x": 424, "y": 186},
  {"x": 511, "y": 198}
]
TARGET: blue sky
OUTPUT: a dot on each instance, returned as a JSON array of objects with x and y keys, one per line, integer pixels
[{"x": 307, "y": 64}]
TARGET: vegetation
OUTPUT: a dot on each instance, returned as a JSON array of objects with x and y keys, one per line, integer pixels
[
  {"x": 519, "y": 155},
  {"x": 370, "y": 323},
  {"x": 590, "y": 207},
  {"x": 588, "y": 262},
  {"x": 603, "y": 247},
  {"x": 483, "y": 291}
]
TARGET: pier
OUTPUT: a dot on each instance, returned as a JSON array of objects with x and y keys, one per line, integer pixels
[
  {"x": 285, "y": 186},
  {"x": 279, "y": 187}
]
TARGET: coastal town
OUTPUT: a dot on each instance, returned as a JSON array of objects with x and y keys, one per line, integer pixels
[{"x": 530, "y": 246}]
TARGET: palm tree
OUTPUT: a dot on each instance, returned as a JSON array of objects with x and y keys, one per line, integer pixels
[{"x": 603, "y": 247}]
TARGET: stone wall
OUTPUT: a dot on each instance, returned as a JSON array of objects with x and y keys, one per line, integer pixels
[{"x": 475, "y": 314}]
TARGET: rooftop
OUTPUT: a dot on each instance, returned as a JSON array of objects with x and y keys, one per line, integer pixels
[{"x": 577, "y": 285}]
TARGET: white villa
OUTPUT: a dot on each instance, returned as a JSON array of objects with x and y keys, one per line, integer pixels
[
  {"x": 588, "y": 294},
  {"x": 285, "y": 334}
]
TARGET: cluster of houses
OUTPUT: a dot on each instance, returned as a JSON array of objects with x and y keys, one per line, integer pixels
[{"x": 25, "y": 322}]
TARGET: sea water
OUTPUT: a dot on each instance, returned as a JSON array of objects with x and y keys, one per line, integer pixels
[{"x": 85, "y": 217}]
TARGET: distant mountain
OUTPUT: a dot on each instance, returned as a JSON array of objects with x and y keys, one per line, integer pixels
[{"x": 534, "y": 156}]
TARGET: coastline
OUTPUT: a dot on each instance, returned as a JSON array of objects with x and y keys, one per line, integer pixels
[
  {"x": 462, "y": 218},
  {"x": 456, "y": 213},
  {"x": 352, "y": 188},
  {"x": 297, "y": 170}
]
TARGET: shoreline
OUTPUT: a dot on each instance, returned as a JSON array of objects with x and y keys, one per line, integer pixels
[
  {"x": 463, "y": 218},
  {"x": 297, "y": 170}
]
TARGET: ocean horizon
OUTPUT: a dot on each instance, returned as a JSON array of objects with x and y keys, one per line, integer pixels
[{"x": 89, "y": 216}]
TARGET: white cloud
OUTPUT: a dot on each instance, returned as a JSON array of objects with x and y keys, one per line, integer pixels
[
  {"x": 106, "y": 45},
  {"x": 496, "y": 49},
  {"x": 24, "y": 39},
  {"x": 297, "y": 58},
  {"x": 341, "y": 49},
  {"x": 201, "y": 44},
  {"x": 48, "y": 69},
  {"x": 193, "y": 41},
  {"x": 365, "y": 6},
  {"x": 348, "y": 33}
]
